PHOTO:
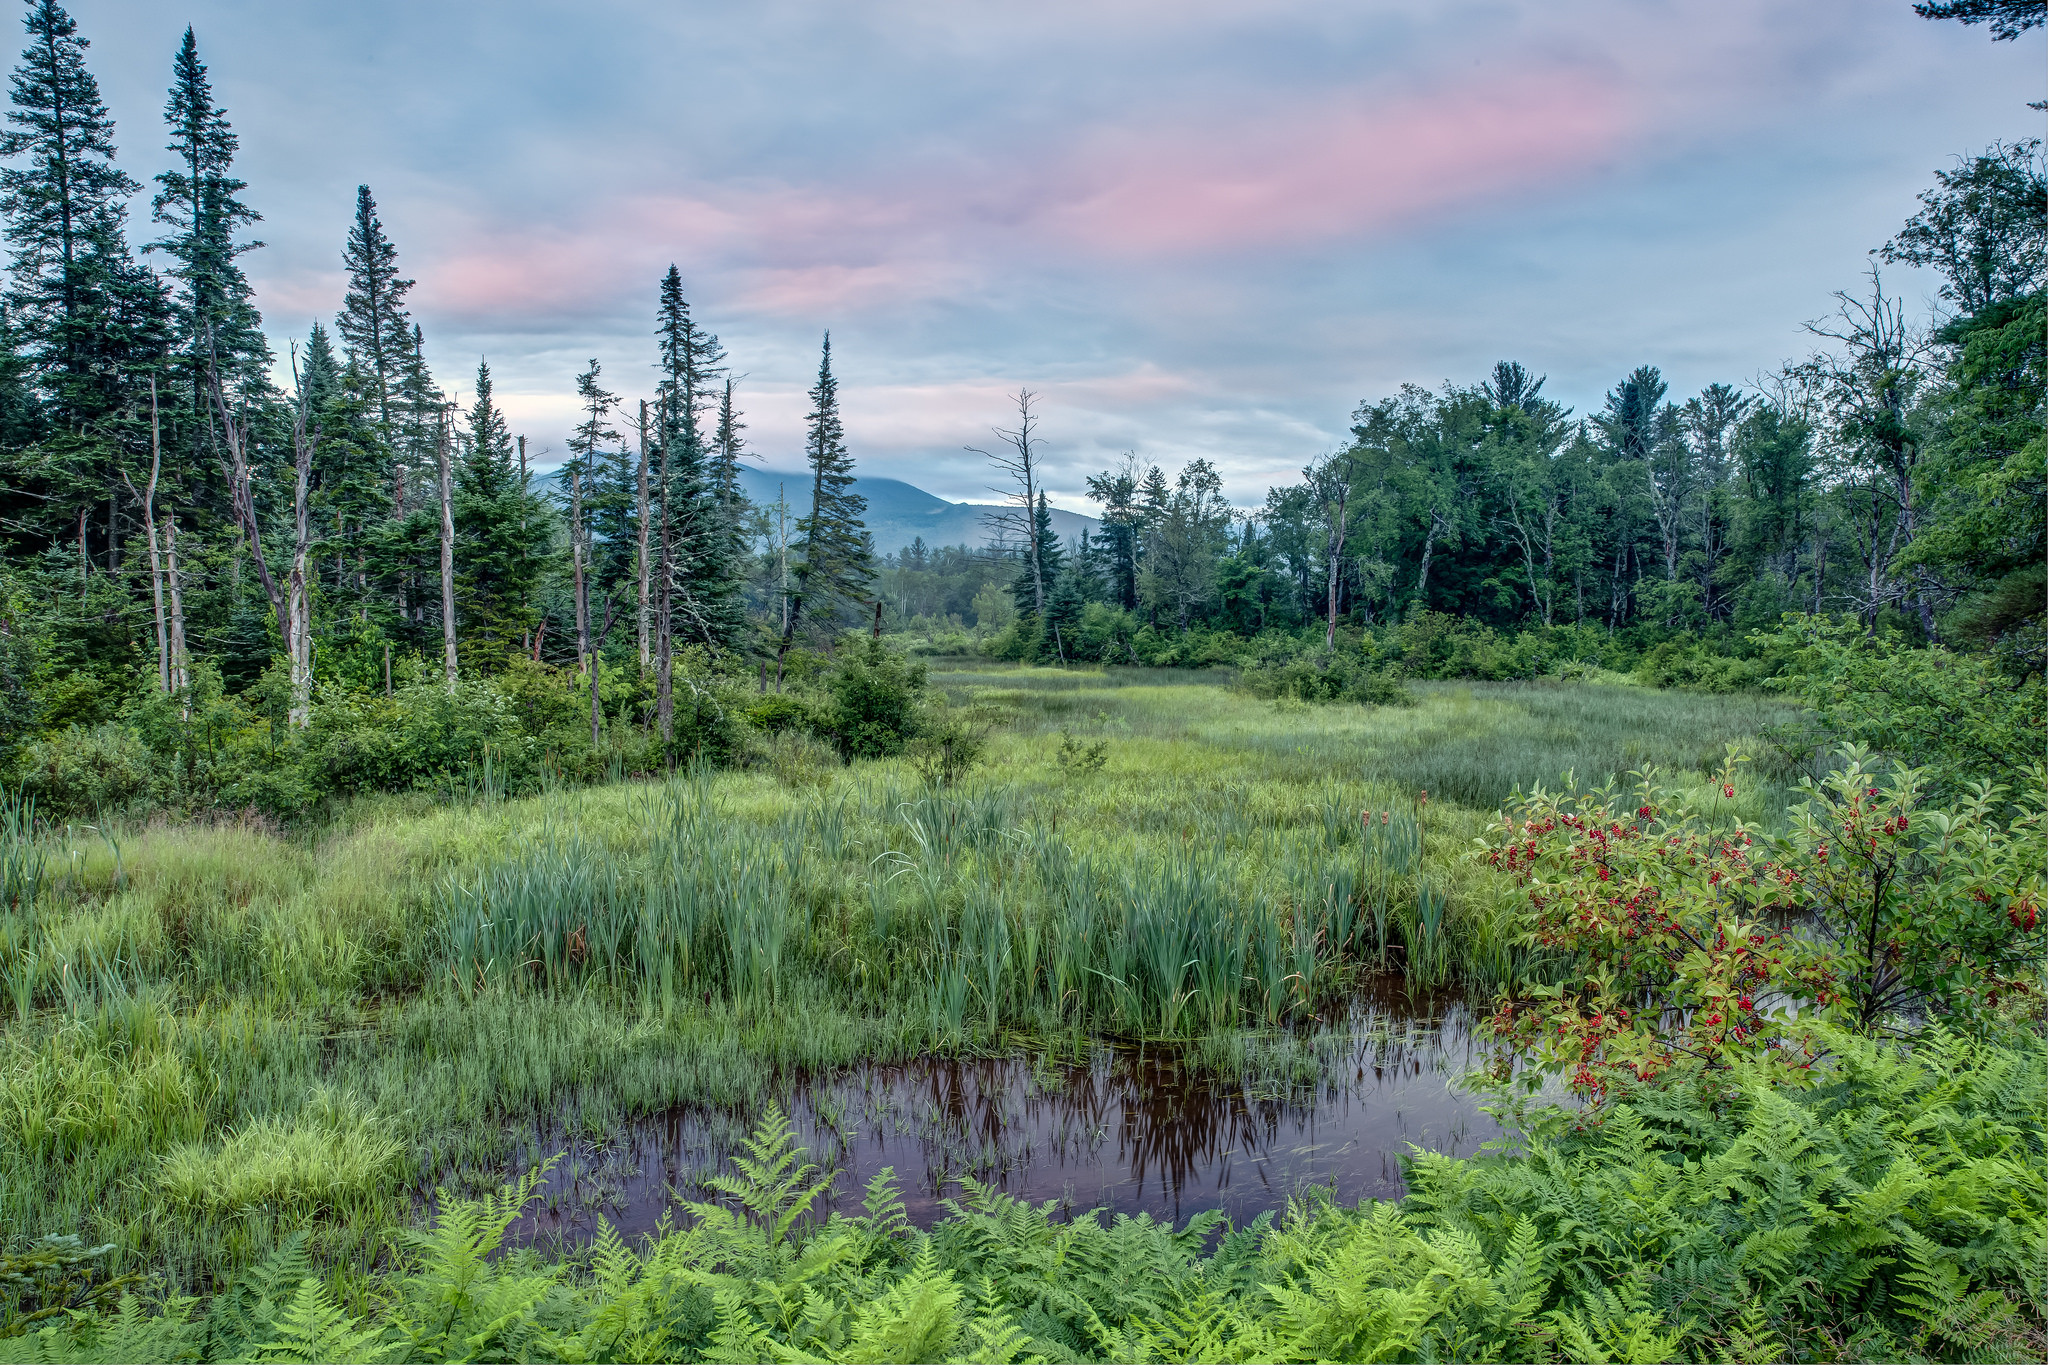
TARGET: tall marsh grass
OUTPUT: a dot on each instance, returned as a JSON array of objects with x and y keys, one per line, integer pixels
[{"x": 175, "y": 1001}]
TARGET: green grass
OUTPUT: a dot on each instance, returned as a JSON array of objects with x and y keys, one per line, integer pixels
[{"x": 218, "y": 1036}]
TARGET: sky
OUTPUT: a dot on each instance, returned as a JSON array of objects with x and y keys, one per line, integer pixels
[{"x": 1195, "y": 228}]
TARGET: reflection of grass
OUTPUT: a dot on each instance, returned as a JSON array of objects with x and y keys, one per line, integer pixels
[{"x": 703, "y": 943}]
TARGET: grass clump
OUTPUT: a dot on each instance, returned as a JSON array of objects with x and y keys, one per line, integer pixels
[{"x": 334, "y": 1157}]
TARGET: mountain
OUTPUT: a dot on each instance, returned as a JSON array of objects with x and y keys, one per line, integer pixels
[{"x": 899, "y": 513}]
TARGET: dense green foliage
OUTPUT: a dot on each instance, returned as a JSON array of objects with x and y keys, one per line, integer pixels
[{"x": 1895, "y": 1210}]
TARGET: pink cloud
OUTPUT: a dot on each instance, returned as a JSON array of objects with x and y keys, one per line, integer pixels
[
  {"x": 1323, "y": 169},
  {"x": 1335, "y": 171}
]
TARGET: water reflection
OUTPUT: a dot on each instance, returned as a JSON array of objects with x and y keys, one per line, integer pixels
[{"x": 1159, "y": 1130}]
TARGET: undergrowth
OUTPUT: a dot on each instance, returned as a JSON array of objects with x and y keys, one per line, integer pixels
[{"x": 1894, "y": 1210}]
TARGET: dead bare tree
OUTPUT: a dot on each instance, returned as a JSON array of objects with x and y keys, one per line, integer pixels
[
  {"x": 288, "y": 599},
  {"x": 448, "y": 661},
  {"x": 147, "y": 497},
  {"x": 181, "y": 662},
  {"x": 645, "y": 568},
  {"x": 1020, "y": 464}
]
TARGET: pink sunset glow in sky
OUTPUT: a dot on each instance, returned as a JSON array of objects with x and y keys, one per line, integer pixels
[{"x": 1199, "y": 229}]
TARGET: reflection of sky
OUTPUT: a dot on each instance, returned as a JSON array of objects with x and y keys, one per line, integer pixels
[{"x": 1198, "y": 227}]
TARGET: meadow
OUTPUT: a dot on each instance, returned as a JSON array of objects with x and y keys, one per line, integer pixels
[
  {"x": 219, "y": 1034},
  {"x": 236, "y": 1056}
]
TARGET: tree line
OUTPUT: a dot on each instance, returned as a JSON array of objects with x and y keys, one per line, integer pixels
[
  {"x": 183, "y": 508},
  {"x": 1894, "y": 475},
  {"x": 160, "y": 480}
]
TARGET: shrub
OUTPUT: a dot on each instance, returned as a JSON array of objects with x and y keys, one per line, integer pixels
[
  {"x": 425, "y": 733},
  {"x": 1958, "y": 716},
  {"x": 1348, "y": 675},
  {"x": 78, "y": 772},
  {"x": 1699, "y": 942},
  {"x": 780, "y": 711},
  {"x": 877, "y": 702},
  {"x": 1688, "y": 664}
]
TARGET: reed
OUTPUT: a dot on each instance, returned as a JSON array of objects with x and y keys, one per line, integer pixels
[{"x": 461, "y": 977}]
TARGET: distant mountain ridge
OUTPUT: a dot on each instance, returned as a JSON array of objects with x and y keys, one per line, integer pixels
[{"x": 899, "y": 512}]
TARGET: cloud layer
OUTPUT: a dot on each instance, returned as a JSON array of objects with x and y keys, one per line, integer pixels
[{"x": 1198, "y": 228}]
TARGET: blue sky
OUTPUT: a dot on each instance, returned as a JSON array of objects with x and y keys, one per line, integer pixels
[{"x": 1196, "y": 228}]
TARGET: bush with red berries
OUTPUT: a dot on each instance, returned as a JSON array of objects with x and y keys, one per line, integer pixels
[{"x": 1697, "y": 940}]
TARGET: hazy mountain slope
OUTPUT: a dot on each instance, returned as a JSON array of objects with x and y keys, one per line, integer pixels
[{"x": 899, "y": 513}]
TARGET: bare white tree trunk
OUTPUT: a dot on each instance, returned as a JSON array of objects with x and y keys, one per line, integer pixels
[
  {"x": 298, "y": 608},
  {"x": 147, "y": 497},
  {"x": 181, "y": 663},
  {"x": 447, "y": 560},
  {"x": 1020, "y": 463},
  {"x": 644, "y": 625}
]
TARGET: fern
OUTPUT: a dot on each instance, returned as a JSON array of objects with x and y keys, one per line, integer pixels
[
  {"x": 774, "y": 1183},
  {"x": 312, "y": 1328}
]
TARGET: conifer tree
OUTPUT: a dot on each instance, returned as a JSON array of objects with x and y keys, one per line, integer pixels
[
  {"x": 197, "y": 201},
  {"x": 373, "y": 320},
  {"x": 835, "y": 555},
  {"x": 701, "y": 579},
  {"x": 87, "y": 312},
  {"x": 1117, "y": 491},
  {"x": 500, "y": 530},
  {"x": 1039, "y": 564}
]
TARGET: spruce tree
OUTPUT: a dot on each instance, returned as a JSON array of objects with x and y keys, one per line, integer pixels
[
  {"x": 835, "y": 555},
  {"x": 1048, "y": 561},
  {"x": 1117, "y": 491},
  {"x": 698, "y": 519},
  {"x": 373, "y": 320},
  {"x": 501, "y": 531},
  {"x": 89, "y": 315},
  {"x": 197, "y": 201},
  {"x": 351, "y": 497}
]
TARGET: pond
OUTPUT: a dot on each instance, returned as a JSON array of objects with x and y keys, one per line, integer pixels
[{"x": 1168, "y": 1131}]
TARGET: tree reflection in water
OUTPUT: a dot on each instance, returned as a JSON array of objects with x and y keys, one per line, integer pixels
[{"x": 1163, "y": 1130}]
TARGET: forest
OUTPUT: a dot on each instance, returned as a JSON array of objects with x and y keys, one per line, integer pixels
[{"x": 456, "y": 905}]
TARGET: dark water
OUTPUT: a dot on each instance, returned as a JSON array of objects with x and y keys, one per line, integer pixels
[{"x": 1132, "y": 1129}]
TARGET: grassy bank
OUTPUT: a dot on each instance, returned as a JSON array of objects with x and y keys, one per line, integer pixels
[{"x": 218, "y": 1037}]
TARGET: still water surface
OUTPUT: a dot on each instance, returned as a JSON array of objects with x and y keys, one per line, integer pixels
[{"x": 1132, "y": 1129}]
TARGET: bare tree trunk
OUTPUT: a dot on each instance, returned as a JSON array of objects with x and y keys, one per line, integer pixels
[
  {"x": 1436, "y": 527},
  {"x": 1021, "y": 465},
  {"x": 665, "y": 620},
  {"x": 642, "y": 620},
  {"x": 84, "y": 563},
  {"x": 181, "y": 664},
  {"x": 1339, "y": 526},
  {"x": 298, "y": 607},
  {"x": 242, "y": 499},
  {"x": 156, "y": 569},
  {"x": 448, "y": 660}
]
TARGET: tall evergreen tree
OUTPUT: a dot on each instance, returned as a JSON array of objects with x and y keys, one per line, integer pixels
[
  {"x": 1045, "y": 565},
  {"x": 373, "y": 320},
  {"x": 197, "y": 201},
  {"x": 1117, "y": 491},
  {"x": 88, "y": 313},
  {"x": 701, "y": 541},
  {"x": 500, "y": 529},
  {"x": 835, "y": 555}
]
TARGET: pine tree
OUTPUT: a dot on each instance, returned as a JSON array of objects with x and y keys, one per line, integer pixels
[
  {"x": 700, "y": 538},
  {"x": 835, "y": 554},
  {"x": 501, "y": 530},
  {"x": 353, "y": 494},
  {"x": 197, "y": 200},
  {"x": 1045, "y": 567},
  {"x": 89, "y": 315},
  {"x": 1117, "y": 491},
  {"x": 373, "y": 316}
]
